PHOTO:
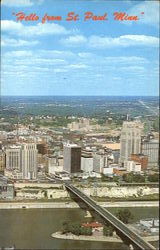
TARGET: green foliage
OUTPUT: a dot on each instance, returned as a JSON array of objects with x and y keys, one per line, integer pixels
[
  {"x": 116, "y": 178},
  {"x": 108, "y": 231},
  {"x": 133, "y": 178},
  {"x": 75, "y": 228},
  {"x": 86, "y": 231},
  {"x": 56, "y": 122},
  {"x": 65, "y": 228},
  {"x": 106, "y": 178},
  {"x": 153, "y": 178},
  {"x": 124, "y": 215},
  {"x": 102, "y": 121}
]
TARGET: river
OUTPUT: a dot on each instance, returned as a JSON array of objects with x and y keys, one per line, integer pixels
[{"x": 32, "y": 228}]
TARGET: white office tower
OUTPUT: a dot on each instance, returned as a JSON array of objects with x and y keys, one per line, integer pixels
[
  {"x": 87, "y": 163},
  {"x": 72, "y": 158},
  {"x": 13, "y": 158},
  {"x": 130, "y": 141},
  {"x": 29, "y": 161}
]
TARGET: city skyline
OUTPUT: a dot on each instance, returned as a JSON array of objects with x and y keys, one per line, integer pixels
[
  {"x": 79, "y": 124},
  {"x": 82, "y": 58}
]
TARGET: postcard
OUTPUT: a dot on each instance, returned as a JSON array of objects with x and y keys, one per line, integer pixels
[{"x": 79, "y": 124}]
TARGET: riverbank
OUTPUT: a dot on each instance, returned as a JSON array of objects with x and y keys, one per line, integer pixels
[
  {"x": 36, "y": 204},
  {"x": 69, "y": 236}
]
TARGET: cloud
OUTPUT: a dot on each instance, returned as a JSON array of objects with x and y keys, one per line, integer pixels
[
  {"x": 109, "y": 42},
  {"x": 74, "y": 40},
  {"x": 85, "y": 55},
  {"x": 151, "y": 12},
  {"x": 58, "y": 70},
  {"x": 132, "y": 69},
  {"x": 20, "y": 3},
  {"x": 123, "y": 41},
  {"x": 51, "y": 62},
  {"x": 77, "y": 66},
  {"x": 10, "y": 42},
  {"x": 19, "y": 53},
  {"x": 17, "y": 28},
  {"x": 125, "y": 60}
]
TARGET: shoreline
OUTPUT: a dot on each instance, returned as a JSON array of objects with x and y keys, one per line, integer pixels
[
  {"x": 59, "y": 235},
  {"x": 30, "y": 205}
]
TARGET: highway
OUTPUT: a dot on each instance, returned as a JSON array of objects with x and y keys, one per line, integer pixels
[
  {"x": 153, "y": 111},
  {"x": 135, "y": 238}
]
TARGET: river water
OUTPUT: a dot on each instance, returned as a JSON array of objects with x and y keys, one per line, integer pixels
[{"x": 32, "y": 228}]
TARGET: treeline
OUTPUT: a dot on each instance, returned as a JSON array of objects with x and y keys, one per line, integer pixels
[{"x": 76, "y": 228}]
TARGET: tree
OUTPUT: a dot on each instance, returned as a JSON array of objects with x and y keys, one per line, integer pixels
[
  {"x": 124, "y": 215},
  {"x": 116, "y": 178},
  {"x": 65, "y": 228},
  {"x": 75, "y": 228},
  {"x": 153, "y": 178},
  {"x": 86, "y": 231},
  {"x": 138, "y": 178},
  {"x": 108, "y": 231},
  {"x": 128, "y": 177},
  {"x": 133, "y": 178}
]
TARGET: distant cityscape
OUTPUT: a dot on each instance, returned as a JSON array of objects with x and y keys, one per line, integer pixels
[
  {"x": 112, "y": 158},
  {"x": 79, "y": 125},
  {"x": 82, "y": 149}
]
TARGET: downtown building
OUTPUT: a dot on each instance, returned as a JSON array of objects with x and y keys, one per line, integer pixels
[
  {"x": 21, "y": 161},
  {"x": 29, "y": 161},
  {"x": 87, "y": 163},
  {"x": 151, "y": 149},
  {"x": 13, "y": 157},
  {"x": 72, "y": 158},
  {"x": 130, "y": 140},
  {"x": 100, "y": 161},
  {"x": 2, "y": 161}
]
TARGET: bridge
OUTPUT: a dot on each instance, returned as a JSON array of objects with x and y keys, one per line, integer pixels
[{"x": 109, "y": 217}]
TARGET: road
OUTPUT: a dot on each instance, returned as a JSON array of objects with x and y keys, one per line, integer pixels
[
  {"x": 70, "y": 204},
  {"x": 152, "y": 111}
]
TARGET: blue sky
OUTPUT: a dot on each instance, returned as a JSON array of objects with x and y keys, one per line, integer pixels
[{"x": 83, "y": 57}]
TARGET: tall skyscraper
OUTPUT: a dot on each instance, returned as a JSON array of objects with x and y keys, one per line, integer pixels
[
  {"x": 130, "y": 141},
  {"x": 13, "y": 158},
  {"x": 72, "y": 158},
  {"x": 29, "y": 160},
  {"x": 151, "y": 149}
]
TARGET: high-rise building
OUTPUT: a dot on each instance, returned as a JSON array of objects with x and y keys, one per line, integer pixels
[
  {"x": 130, "y": 141},
  {"x": 72, "y": 158},
  {"x": 100, "y": 161},
  {"x": 87, "y": 163},
  {"x": 13, "y": 157},
  {"x": 2, "y": 161},
  {"x": 151, "y": 149},
  {"x": 29, "y": 160}
]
